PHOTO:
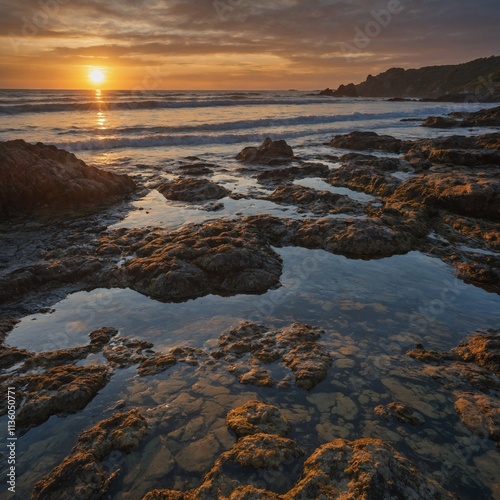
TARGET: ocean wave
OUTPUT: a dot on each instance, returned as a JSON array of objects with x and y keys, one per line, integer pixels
[
  {"x": 269, "y": 123},
  {"x": 168, "y": 102}
]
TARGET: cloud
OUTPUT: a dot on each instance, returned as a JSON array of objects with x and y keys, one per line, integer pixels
[{"x": 305, "y": 36}]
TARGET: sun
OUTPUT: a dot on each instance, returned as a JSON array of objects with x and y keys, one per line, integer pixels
[{"x": 97, "y": 76}]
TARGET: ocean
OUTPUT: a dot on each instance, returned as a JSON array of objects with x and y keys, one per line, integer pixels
[{"x": 365, "y": 306}]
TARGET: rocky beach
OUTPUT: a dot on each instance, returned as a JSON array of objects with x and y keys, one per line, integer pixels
[{"x": 310, "y": 326}]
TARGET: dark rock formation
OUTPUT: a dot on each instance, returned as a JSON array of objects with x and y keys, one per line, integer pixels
[
  {"x": 268, "y": 150},
  {"x": 60, "y": 390},
  {"x": 84, "y": 474},
  {"x": 341, "y": 469},
  {"x": 193, "y": 190},
  {"x": 366, "y": 468},
  {"x": 218, "y": 257},
  {"x": 343, "y": 91},
  {"x": 296, "y": 346},
  {"x": 400, "y": 412},
  {"x": 317, "y": 202},
  {"x": 255, "y": 417},
  {"x": 471, "y": 371},
  {"x": 475, "y": 81},
  {"x": 34, "y": 177},
  {"x": 459, "y": 191},
  {"x": 483, "y": 118},
  {"x": 364, "y": 141}
]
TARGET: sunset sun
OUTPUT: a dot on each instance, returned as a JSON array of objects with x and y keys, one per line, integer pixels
[{"x": 97, "y": 76}]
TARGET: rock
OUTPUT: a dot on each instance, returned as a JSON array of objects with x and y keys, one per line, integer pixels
[
  {"x": 483, "y": 118},
  {"x": 475, "y": 194},
  {"x": 318, "y": 202},
  {"x": 440, "y": 122},
  {"x": 366, "y": 468},
  {"x": 256, "y": 417},
  {"x": 356, "y": 238},
  {"x": 399, "y": 411},
  {"x": 364, "y": 141},
  {"x": 473, "y": 376},
  {"x": 10, "y": 356},
  {"x": 218, "y": 257},
  {"x": 481, "y": 348},
  {"x": 309, "y": 363},
  {"x": 262, "y": 451},
  {"x": 122, "y": 351},
  {"x": 156, "y": 364},
  {"x": 83, "y": 474},
  {"x": 60, "y": 390},
  {"x": 295, "y": 345},
  {"x": 34, "y": 177},
  {"x": 192, "y": 190},
  {"x": 79, "y": 476},
  {"x": 480, "y": 413},
  {"x": 343, "y": 91},
  {"x": 257, "y": 377},
  {"x": 268, "y": 150},
  {"x": 363, "y": 178}
]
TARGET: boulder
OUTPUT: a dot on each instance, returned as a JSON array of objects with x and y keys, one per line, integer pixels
[
  {"x": 219, "y": 257},
  {"x": 85, "y": 474},
  {"x": 364, "y": 141},
  {"x": 60, "y": 390},
  {"x": 192, "y": 190},
  {"x": 34, "y": 177},
  {"x": 268, "y": 150},
  {"x": 256, "y": 417}
]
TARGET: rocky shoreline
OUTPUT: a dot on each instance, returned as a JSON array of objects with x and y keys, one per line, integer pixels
[{"x": 437, "y": 196}]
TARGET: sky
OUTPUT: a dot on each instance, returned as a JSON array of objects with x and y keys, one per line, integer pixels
[{"x": 235, "y": 44}]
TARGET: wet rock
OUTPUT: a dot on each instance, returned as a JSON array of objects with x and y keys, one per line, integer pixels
[
  {"x": 357, "y": 238},
  {"x": 192, "y": 190},
  {"x": 471, "y": 371},
  {"x": 400, "y": 412},
  {"x": 309, "y": 363},
  {"x": 364, "y": 141},
  {"x": 455, "y": 150},
  {"x": 84, "y": 474},
  {"x": 440, "y": 122},
  {"x": 364, "y": 178},
  {"x": 468, "y": 193},
  {"x": 257, "y": 377},
  {"x": 156, "y": 364},
  {"x": 366, "y": 468},
  {"x": 37, "y": 176},
  {"x": 60, "y": 390},
  {"x": 121, "y": 352},
  {"x": 295, "y": 345},
  {"x": 10, "y": 356},
  {"x": 482, "y": 118},
  {"x": 256, "y": 417},
  {"x": 219, "y": 257},
  {"x": 268, "y": 150},
  {"x": 318, "y": 202},
  {"x": 480, "y": 413},
  {"x": 479, "y": 270},
  {"x": 262, "y": 451},
  {"x": 6, "y": 325},
  {"x": 77, "y": 476},
  {"x": 482, "y": 348}
]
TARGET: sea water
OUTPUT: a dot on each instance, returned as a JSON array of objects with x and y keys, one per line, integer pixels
[{"x": 367, "y": 308}]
